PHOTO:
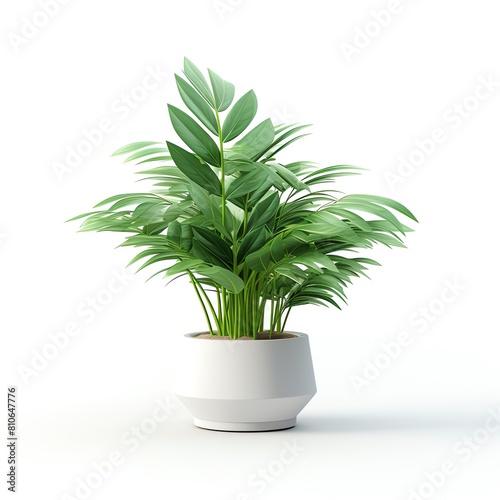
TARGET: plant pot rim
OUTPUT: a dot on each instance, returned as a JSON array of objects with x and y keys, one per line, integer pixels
[{"x": 296, "y": 336}]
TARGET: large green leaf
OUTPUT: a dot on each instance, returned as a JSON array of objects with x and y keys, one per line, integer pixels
[
  {"x": 196, "y": 104},
  {"x": 180, "y": 235},
  {"x": 257, "y": 141},
  {"x": 194, "y": 136},
  {"x": 276, "y": 249},
  {"x": 210, "y": 207},
  {"x": 236, "y": 163},
  {"x": 223, "y": 91},
  {"x": 291, "y": 271},
  {"x": 252, "y": 241},
  {"x": 187, "y": 264},
  {"x": 264, "y": 211},
  {"x": 206, "y": 254},
  {"x": 201, "y": 198},
  {"x": 150, "y": 212},
  {"x": 223, "y": 277},
  {"x": 240, "y": 116},
  {"x": 289, "y": 177},
  {"x": 200, "y": 173},
  {"x": 247, "y": 183},
  {"x": 214, "y": 243},
  {"x": 195, "y": 76}
]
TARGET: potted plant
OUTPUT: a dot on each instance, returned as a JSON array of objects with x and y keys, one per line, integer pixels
[{"x": 255, "y": 238}]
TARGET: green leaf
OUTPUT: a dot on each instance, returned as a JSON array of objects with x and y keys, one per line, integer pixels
[
  {"x": 206, "y": 254},
  {"x": 276, "y": 249},
  {"x": 150, "y": 212},
  {"x": 290, "y": 178},
  {"x": 363, "y": 203},
  {"x": 155, "y": 158},
  {"x": 128, "y": 199},
  {"x": 264, "y": 211},
  {"x": 223, "y": 91},
  {"x": 147, "y": 152},
  {"x": 257, "y": 141},
  {"x": 289, "y": 133},
  {"x": 194, "y": 136},
  {"x": 134, "y": 146},
  {"x": 251, "y": 242},
  {"x": 200, "y": 197},
  {"x": 315, "y": 259},
  {"x": 223, "y": 277},
  {"x": 292, "y": 272},
  {"x": 196, "y": 104},
  {"x": 81, "y": 216},
  {"x": 381, "y": 200},
  {"x": 236, "y": 163},
  {"x": 259, "y": 193},
  {"x": 210, "y": 207},
  {"x": 291, "y": 141},
  {"x": 349, "y": 216},
  {"x": 247, "y": 183},
  {"x": 240, "y": 116},
  {"x": 181, "y": 235},
  {"x": 200, "y": 173},
  {"x": 195, "y": 76},
  {"x": 329, "y": 174},
  {"x": 160, "y": 257},
  {"x": 145, "y": 253},
  {"x": 184, "y": 265},
  {"x": 214, "y": 244},
  {"x": 327, "y": 225}
]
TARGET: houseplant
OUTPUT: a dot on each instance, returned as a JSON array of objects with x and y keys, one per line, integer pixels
[{"x": 255, "y": 238}]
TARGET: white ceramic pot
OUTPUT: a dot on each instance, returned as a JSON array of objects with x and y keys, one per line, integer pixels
[{"x": 245, "y": 385}]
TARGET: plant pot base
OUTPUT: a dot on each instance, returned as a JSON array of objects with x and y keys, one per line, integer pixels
[{"x": 276, "y": 425}]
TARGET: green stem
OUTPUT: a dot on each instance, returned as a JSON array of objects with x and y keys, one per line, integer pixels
[
  {"x": 219, "y": 310},
  {"x": 286, "y": 317},
  {"x": 222, "y": 167},
  {"x": 245, "y": 216},
  {"x": 207, "y": 317},
  {"x": 224, "y": 313},
  {"x": 212, "y": 310},
  {"x": 273, "y": 309}
]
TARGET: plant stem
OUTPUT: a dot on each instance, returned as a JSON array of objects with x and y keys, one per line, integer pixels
[
  {"x": 222, "y": 167},
  {"x": 245, "y": 216},
  {"x": 273, "y": 308},
  {"x": 207, "y": 317},
  {"x": 286, "y": 317},
  {"x": 212, "y": 310}
]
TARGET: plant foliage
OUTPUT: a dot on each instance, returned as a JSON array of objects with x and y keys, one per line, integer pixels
[{"x": 255, "y": 237}]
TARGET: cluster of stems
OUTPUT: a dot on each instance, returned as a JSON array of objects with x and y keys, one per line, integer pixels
[{"x": 245, "y": 313}]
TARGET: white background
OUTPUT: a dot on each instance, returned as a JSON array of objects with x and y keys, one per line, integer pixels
[{"x": 368, "y": 109}]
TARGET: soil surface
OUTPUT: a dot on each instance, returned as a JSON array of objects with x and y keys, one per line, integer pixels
[{"x": 260, "y": 336}]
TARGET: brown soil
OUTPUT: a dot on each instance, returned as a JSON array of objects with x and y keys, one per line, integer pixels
[{"x": 260, "y": 336}]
